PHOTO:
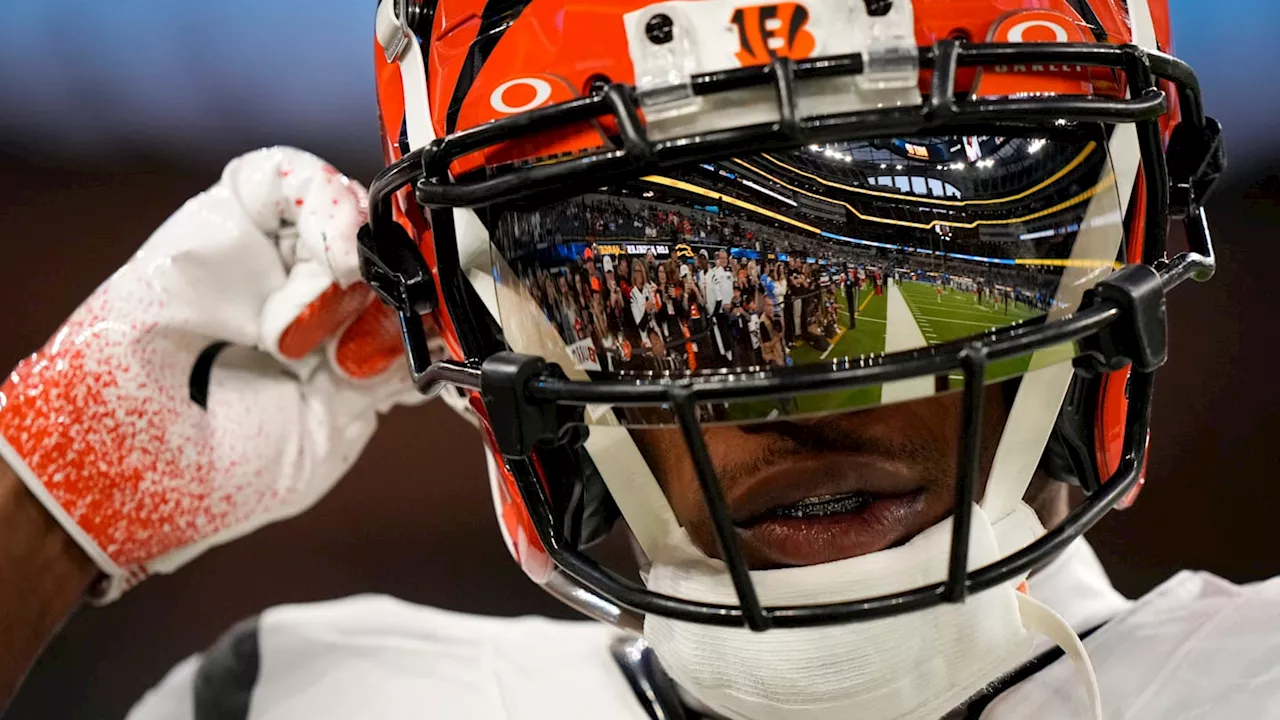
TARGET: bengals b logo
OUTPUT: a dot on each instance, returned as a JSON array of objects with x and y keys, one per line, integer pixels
[{"x": 768, "y": 32}]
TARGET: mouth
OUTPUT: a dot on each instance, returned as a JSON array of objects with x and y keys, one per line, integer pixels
[
  {"x": 826, "y": 509},
  {"x": 826, "y": 506}
]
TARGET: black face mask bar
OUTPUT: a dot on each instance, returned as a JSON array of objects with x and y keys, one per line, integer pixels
[{"x": 1121, "y": 322}]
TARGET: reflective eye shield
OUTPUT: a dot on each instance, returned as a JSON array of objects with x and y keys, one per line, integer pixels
[
  {"x": 825, "y": 256},
  {"x": 1122, "y": 322}
]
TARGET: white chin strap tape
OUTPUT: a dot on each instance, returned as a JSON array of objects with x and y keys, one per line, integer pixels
[{"x": 916, "y": 665}]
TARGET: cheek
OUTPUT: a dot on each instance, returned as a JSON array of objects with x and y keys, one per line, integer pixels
[
  {"x": 948, "y": 418},
  {"x": 668, "y": 456},
  {"x": 995, "y": 413},
  {"x": 664, "y": 450}
]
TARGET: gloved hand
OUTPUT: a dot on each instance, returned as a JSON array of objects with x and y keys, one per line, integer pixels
[{"x": 226, "y": 377}]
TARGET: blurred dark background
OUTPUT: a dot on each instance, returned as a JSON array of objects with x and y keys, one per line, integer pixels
[{"x": 115, "y": 113}]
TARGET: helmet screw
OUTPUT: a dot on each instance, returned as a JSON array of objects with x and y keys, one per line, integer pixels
[
  {"x": 659, "y": 29},
  {"x": 597, "y": 84}
]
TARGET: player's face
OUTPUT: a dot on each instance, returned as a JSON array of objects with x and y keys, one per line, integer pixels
[{"x": 826, "y": 489}]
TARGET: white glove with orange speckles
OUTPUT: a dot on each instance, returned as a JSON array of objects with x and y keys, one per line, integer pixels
[{"x": 226, "y": 377}]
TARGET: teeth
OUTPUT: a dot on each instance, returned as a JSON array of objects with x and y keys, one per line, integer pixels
[{"x": 825, "y": 505}]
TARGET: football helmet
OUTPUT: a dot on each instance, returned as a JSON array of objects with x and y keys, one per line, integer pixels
[{"x": 628, "y": 214}]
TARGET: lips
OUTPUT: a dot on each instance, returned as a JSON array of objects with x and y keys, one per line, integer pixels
[{"x": 824, "y": 508}]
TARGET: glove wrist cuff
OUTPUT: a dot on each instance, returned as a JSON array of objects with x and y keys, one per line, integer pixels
[{"x": 115, "y": 580}]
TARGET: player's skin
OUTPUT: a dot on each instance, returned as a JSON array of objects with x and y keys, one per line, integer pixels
[
  {"x": 903, "y": 456},
  {"x": 907, "y": 450},
  {"x": 43, "y": 577}
]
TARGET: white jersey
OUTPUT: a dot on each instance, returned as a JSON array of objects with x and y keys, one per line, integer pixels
[
  {"x": 718, "y": 289},
  {"x": 1196, "y": 647}
]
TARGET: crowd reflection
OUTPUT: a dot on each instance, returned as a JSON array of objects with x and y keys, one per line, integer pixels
[{"x": 636, "y": 286}]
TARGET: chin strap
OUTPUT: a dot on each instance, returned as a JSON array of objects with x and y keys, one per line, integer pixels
[
  {"x": 1040, "y": 618},
  {"x": 1016, "y": 530}
]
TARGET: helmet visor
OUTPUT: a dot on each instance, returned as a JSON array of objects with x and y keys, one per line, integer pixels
[{"x": 834, "y": 255}]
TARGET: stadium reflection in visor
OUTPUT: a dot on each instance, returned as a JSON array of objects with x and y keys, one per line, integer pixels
[{"x": 822, "y": 254}]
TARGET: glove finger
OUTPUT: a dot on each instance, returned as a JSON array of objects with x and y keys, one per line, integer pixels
[
  {"x": 309, "y": 309},
  {"x": 370, "y": 344},
  {"x": 322, "y": 211},
  {"x": 331, "y": 208},
  {"x": 370, "y": 352},
  {"x": 305, "y": 207}
]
